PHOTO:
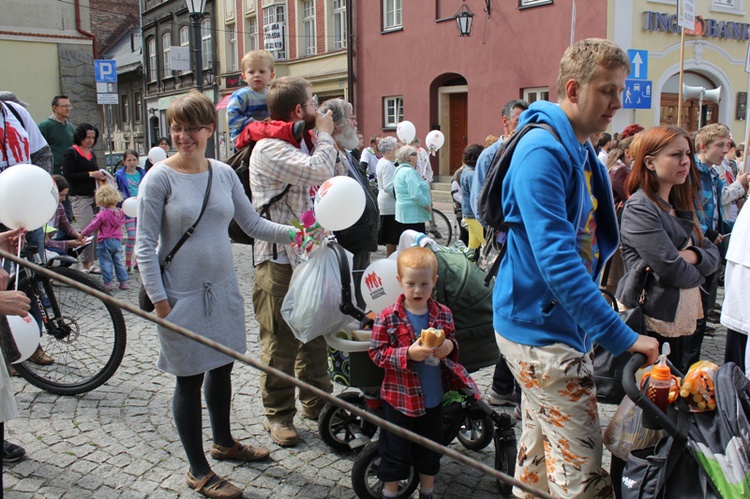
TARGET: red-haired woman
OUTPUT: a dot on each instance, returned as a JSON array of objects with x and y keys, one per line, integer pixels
[{"x": 660, "y": 231}]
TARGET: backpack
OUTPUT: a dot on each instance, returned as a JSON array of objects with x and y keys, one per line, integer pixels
[
  {"x": 490, "y": 204},
  {"x": 240, "y": 163}
]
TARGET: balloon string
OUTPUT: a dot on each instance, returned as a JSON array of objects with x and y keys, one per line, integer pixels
[{"x": 18, "y": 265}]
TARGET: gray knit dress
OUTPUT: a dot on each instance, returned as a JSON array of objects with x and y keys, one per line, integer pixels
[{"x": 201, "y": 283}]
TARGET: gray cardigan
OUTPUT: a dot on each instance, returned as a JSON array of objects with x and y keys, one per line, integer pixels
[{"x": 651, "y": 237}]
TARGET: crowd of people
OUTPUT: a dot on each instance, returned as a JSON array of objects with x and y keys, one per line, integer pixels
[{"x": 659, "y": 204}]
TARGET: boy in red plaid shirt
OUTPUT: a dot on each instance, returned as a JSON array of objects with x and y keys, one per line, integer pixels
[{"x": 412, "y": 390}]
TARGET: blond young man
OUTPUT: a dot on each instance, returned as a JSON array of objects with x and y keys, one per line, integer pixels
[{"x": 547, "y": 305}]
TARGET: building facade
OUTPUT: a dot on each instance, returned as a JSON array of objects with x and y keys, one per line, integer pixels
[
  {"x": 714, "y": 58},
  {"x": 411, "y": 64}
]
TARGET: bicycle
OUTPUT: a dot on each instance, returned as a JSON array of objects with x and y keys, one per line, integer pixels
[
  {"x": 75, "y": 329},
  {"x": 444, "y": 228}
]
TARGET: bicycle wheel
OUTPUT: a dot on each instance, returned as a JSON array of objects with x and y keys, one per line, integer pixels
[
  {"x": 86, "y": 337},
  {"x": 444, "y": 231}
]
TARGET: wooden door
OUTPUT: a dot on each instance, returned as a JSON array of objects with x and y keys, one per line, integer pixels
[
  {"x": 459, "y": 117},
  {"x": 668, "y": 112}
]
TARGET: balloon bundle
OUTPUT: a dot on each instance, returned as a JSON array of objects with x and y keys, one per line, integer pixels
[{"x": 307, "y": 233}]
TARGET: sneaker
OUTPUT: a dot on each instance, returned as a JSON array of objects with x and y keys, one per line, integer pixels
[
  {"x": 495, "y": 400},
  {"x": 124, "y": 285},
  {"x": 109, "y": 286},
  {"x": 12, "y": 453},
  {"x": 283, "y": 433},
  {"x": 239, "y": 451},
  {"x": 129, "y": 269},
  {"x": 436, "y": 233}
]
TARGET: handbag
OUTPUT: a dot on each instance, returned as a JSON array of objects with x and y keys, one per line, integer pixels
[
  {"x": 144, "y": 301},
  {"x": 609, "y": 368}
]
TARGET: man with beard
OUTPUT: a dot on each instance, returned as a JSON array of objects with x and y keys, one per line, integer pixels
[
  {"x": 274, "y": 165},
  {"x": 362, "y": 237}
]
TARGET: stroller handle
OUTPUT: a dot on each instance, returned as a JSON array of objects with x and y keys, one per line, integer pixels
[
  {"x": 639, "y": 397},
  {"x": 346, "y": 306}
]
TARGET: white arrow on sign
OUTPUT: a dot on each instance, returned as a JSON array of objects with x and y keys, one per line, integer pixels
[{"x": 637, "y": 62}]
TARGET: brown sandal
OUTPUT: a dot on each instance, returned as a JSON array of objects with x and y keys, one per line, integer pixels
[
  {"x": 239, "y": 451},
  {"x": 219, "y": 488}
]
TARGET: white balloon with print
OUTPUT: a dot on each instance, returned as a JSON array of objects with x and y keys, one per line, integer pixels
[
  {"x": 28, "y": 197},
  {"x": 379, "y": 286},
  {"x": 130, "y": 207},
  {"x": 156, "y": 154},
  {"x": 25, "y": 331},
  {"x": 406, "y": 131},
  {"x": 434, "y": 140},
  {"x": 339, "y": 203}
]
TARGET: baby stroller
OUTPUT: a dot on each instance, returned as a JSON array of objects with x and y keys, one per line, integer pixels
[
  {"x": 704, "y": 455},
  {"x": 473, "y": 422}
]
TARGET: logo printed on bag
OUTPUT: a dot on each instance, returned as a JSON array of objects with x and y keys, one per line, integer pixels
[{"x": 628, "y": 482}]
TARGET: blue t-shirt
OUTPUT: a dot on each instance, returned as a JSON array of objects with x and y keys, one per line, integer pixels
[
  {"x": 134, "y": 180},
  {"x": 429, "y": 376}
]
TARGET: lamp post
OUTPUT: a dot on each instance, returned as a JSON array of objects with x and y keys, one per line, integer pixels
[
  {"x": 464, "y": 17},
  {"x": 195, "y": 8}
]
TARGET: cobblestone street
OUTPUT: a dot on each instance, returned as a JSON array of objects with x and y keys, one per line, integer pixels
[{"x": 119, "y": 440}]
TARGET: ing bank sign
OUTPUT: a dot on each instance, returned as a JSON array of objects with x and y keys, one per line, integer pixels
[{"x": 710, "y": 28}]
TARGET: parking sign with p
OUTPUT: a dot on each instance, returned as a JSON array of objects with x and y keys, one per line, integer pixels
[{"x": 105, "y": 71}]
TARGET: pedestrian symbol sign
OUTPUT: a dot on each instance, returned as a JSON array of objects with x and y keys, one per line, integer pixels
[
  {"x": 637, "y": 94},
  {"x": 638, "y": 64}
]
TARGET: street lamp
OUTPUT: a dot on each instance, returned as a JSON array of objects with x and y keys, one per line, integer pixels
[
  {"x": 464, "y": 18},
  {"x": 195, "y": 8}
]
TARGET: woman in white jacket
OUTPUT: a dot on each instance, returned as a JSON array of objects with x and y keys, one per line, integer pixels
[{"x": 735, "y": 312}]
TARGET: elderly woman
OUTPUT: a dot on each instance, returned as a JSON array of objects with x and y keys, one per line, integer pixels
[
  {"x": 187, "y": 190},
  {"x": 390, "y": 229},
  {"x": 412, "y": 192},
  {"x": 81, "y": 171}
]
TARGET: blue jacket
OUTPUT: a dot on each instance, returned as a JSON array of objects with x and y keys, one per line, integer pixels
[
  {"x": 547, "y": 287},
  {"x": 122, "y": 181}
]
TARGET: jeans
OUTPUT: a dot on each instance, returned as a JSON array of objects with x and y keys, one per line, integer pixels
[{"x": 110, "y": 255}]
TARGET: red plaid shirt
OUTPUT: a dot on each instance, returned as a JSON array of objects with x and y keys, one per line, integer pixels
[{"x": 392, "y": 335}]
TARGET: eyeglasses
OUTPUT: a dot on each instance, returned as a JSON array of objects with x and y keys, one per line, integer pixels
[
  {"x": 314, "y": 102},
  {"x": 187, "y": 129}
]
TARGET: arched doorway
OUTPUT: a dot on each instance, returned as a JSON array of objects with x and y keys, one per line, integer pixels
[
  {"x": 691, "y": 113},
  {"x": 450, "y": 91}
]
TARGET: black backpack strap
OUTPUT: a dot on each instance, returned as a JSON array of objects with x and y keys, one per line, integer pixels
[
  {"x": 264, "y": 209},
  {"x": 15, "y": 113}
]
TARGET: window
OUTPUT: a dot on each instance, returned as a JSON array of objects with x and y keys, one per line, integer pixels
[
  {"x": 522, "y": 4},
  {"x": 728, "y": 6},
  {"x": 339, "y": 24},
  {"x": 534, "y": 94},
  {"x": 274, "y": 33},
  {"x": 393, "y": 111},
  {"x": 391, "y": 14},
  {"x": 232, "y": 47},
  {"x": 152, "y": 59},
  {"x": 251, "y": 34},
  {"x": 138, "y": 105},
  {"x": 206, "y": 43},
  {"x": 308, "y": 27},
  {"x": 166, "y": 45},
  {"x": 125, "y": 107},
  {"x": 184, "y": 42}
]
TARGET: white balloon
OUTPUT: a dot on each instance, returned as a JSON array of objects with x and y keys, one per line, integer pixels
[
  {"x": 434, "y": 140},
  {"x": 156, "y": 154},
  {"x": 379, "y": 286},
  {"x": 28, "y": 197},
  {"x": 339, "y": 203},
  {"x": 130, "y": 207},
  {"x": 406, "y": 131},
  {"x": 25, "y": 332}
]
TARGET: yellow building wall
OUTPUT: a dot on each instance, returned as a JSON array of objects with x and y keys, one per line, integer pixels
[
  {"x": 720, "y": 60},
  {"x": 39, "y": 81}
]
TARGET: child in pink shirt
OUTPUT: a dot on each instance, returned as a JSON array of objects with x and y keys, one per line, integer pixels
[{"x": 109, "y": 222}]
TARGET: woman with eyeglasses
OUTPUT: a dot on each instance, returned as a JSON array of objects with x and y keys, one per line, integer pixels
[
  {"x": 198, "y": 289},
  {"x": 413, "y": 198}
]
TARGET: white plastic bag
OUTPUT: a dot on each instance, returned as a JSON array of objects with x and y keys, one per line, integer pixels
[{"x": 311, "y": 306}]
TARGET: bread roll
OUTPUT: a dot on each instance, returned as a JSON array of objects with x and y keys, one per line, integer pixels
[{"x": 432, "y": 337}]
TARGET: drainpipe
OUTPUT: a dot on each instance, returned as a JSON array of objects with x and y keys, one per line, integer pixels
[
  {"x": 81, "y": 30},
  {"x": 350, "y": 51}
]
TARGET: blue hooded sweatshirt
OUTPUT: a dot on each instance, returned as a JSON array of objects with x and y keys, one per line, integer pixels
[{"x": 547, "y": 287}]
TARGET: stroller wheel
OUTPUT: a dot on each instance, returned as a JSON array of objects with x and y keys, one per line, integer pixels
[
  {"x": 365, "y": 481},
  {"x": 476, "y": 434},
  {"x": 506, "y": 454},
  {"x": 338, "y": 427}
]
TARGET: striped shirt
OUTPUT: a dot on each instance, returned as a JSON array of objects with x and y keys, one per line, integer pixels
[{"x": 245, "y": 105}]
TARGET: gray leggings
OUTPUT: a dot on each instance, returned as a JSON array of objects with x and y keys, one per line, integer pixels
[{"x": 84, "y": 208}]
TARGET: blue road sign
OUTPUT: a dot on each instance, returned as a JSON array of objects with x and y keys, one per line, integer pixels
[
  {"x": 637, "y": 94},
  {"x": 638, "y": 64},
  {"x": 105, "y": 71}
]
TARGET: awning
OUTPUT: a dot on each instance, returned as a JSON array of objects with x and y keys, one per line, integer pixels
[{"x": 224, "y": 102}]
